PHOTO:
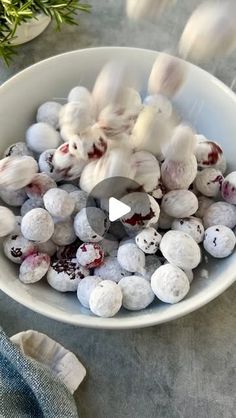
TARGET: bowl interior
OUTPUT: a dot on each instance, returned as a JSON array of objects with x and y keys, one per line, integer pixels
[{"x": 204, "y": 101}]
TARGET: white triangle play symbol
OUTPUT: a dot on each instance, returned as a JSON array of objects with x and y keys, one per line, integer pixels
[{"x": 117, "y": 209}]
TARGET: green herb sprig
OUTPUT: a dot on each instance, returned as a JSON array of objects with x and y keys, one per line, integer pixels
[{"x": 15, "y": 12}]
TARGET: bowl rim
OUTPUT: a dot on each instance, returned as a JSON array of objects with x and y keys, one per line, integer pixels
[{"x": 131, "y": 322}]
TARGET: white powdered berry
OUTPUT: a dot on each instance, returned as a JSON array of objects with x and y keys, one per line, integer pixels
[
  {"x": 167, "y": 76},
  {"x": 59, "y": 203},
  {"x": 48, "y": 113},
  {"x": 179, "y": 203},
  {"x": 41, "y": 136},
  {"x": 90, "y": 224},
  {"x": 219, "y": 241},
  {"x": 179, "y": 169},
  {"x": 90, "y": 255},
  {"x": 220, "y": 213},
  {"x": 67, "y": 164},
  {"x": 148, "y": 240},
  {"x": 47, "y": 247},
  {"x": 160, "y": 103},
  {"x": 203, "y": 204},
  {"x": 17, "y": 172},
  {"x": 137, "y": 293},
  {"x": 65, "y": 275},
  {"x": 181, "y": 250},
  {"x": 19, "y": 149},
  {"x": 144, "y": 212},
  {"x": 75, "y": 118},
  {"x": 208, "y": 153},
  {"x": 170, "y": 284},
  {"x": 46, "y": 165},
  {"x": 17, "y": 248},
  {"x": 131, "y": 258},
  {"x": 228, "y": 188},
  {"x": 64, "y": 233},
  {"x": 81, "y": 95},
  {"x": 106, "y": 299},
  {"x": 39, "y": 185},
  {"x": 147, "y": 170},
  {"x": 34, "y": 268},
  {"x": 111, "y": 270},
  {"x": 208, "y": 182},
  {"x": 85, "y": 288},
  {"x": 201, "y": 39},
  {"x": 192, "y": 226},
  {"x": 7, "y": 221},
  {"x": 30, "y": 204},
  {"x": 13, "y": 197},
  {"x": 37, "y": 225}
]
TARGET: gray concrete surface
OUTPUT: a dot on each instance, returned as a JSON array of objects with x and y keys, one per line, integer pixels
[{"x": 182, "y": 369}]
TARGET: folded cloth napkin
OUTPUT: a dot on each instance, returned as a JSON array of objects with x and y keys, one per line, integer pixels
[{"x": 37, "y": 377}]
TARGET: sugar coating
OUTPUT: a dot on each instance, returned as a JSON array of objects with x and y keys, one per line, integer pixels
[
  {"x": 85, "y": 288},
  {"x": 219, "y": 241},
  {"x": 144, "y": 212},
  {"x": 228, "y": 188},
  {"x": 160, "y": 103},
  {"x": 208, "y": 182},
  {"x": 115, "y": 120},
  {"x": 46, "y": 165},
  {"x": 65, "y": 275},
  {"x": 7, "y": 221},
  {"x": 137, "y": 293},
  {"x": 17, "y": 248},
  {"x": 68, "y": 187},
  {"x": 59, "y": 203},
  {"x": 147, "y": 170},
  {"x": 13, "y": 197},
  {"x": 47, "y": 247},
  {"x": 40, "y": 184},
  {"x": 179, "y": 203},
  {"x": 164, "y": 221},
  {"x": 17, "y": 172},
  {"x": 66, "y": 163},
  {"x": 170, "y": 284},
  {"x": 90, "y": 255},
  {"x": 201, "y": 39},
  {"x": 109, "y": 244},
  {"x": 81, "y": 200},
  {"x": 220, "y": 213},
  {"x": 208, "y": 153},
  {"x": 203, "y": 204},
  {"x": 37, "y": 225},
  {"x": 42, "y": 136},
  {"x": 64, "y": 233},
  {"x": 131, "y": 258},
  {"x": 192, "y": 226},
  {"x": 110, "y": 270},
  {"x": 148, "y": 240},
  {"x": 30, "y": 204},
  {"x": 48, "y": 113},
  {"x": 34, "y": 268},
  {"x": 99, "y": 224},
  {"x": 180, "y": 249},
  {"x": 19, "y": 149},
  {"x": 152, "y": 262},
  {"x": 77, "y": 117},
  {"x": 167, "y": 75},
  {"x": 106, "y": 299}
]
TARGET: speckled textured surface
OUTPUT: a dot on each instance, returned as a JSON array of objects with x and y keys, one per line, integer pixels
[{"x": 178, "y": 370}]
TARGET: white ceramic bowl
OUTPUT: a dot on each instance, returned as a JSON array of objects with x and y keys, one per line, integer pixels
[{"x": 204, "y": 100}]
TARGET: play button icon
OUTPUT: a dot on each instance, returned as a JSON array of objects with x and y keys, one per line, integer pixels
[{"x": 117, "y": 209}]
